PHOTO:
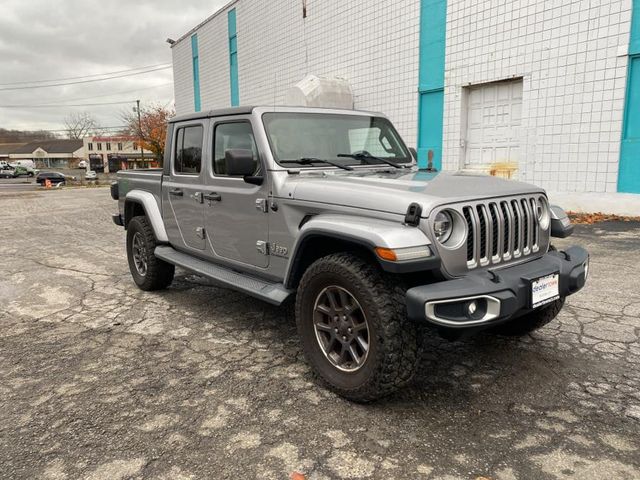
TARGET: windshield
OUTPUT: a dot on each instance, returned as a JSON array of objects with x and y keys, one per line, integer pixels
[{"x": 340, "y": 139}]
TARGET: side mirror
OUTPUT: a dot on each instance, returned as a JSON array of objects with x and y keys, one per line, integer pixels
[
  {"x": 414, "y": 153},
  {"x": 240, "y": 163}
]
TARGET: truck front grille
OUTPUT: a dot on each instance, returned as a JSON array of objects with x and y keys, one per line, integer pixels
[{"x": 501, "y": 230}]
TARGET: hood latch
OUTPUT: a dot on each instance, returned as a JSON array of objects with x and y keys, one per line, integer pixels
[{"x": 412, "y": 217}]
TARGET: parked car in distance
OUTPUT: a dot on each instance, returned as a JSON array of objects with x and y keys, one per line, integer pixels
[
  {"x": 24, "y": 163},
  {"x": 91, "y": 175},
  {"x": 54, "y": 177},
  {"x": 82, "y": 164},
  {"x": 22, "y": 170},
  {"x": 7, "y": 173}
]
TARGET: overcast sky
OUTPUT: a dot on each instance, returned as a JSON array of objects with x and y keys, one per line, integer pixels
[{"x": 53, "y": 39}]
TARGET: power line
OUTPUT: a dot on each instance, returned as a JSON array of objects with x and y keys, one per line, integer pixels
[
  {"x": 86, "y": 81},
  {"x": 68, "y": 105},
  {"x": 38, "y": 130},
  {"x": 84, "y": 76},
  {"x": 114, "y": 93}
]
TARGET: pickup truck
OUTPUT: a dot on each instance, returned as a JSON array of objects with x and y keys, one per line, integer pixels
[
  {"x": 327, "y": 210},
  {"x": 15, "y": 171}
]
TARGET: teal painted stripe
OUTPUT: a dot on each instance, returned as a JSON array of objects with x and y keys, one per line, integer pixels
[
  {"x": 196, "y": 72},
  {"x": 634, "y": 41},
  {"x": 629, "y": 168},
  {"x": 433, "y": 29},
  {"x": 233, "y": 58}
]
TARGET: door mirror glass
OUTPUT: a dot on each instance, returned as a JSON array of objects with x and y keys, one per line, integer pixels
[{"x": 239, "y": 162}]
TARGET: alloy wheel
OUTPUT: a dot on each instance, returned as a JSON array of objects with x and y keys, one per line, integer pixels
[{"x": 341, "y": 328}]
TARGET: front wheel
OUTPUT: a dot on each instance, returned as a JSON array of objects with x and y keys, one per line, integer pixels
[
  {"x": 353, "y": 327},
  {"x": 531, "y": 321},
  {"x": 148, "y": 272}
]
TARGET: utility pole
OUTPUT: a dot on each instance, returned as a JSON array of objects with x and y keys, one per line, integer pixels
[{"x": 140, "y": 131}]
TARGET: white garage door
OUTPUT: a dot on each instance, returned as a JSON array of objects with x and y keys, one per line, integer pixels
[{"x": 494, "y": 114}]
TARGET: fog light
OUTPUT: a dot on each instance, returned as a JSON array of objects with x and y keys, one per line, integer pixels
[{"x": 471, "y": 308}]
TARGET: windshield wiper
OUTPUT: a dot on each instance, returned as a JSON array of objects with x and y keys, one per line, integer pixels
[
  {"x": 368, "y": 156},
  {"x": 312, "y": 160}
]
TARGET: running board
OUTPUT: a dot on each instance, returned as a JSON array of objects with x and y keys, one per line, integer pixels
[{"x": 274, "y": 293}]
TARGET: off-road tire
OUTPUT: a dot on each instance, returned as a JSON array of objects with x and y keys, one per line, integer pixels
[
  {"x": 159, "y": 274},
  {"x": 394, "y": 341},
  {"x": 531, "y": 321}
]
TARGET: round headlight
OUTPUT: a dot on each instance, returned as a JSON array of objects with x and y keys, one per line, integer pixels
[
  {"x": 443, "y": 226},
  {"x": 542, "y": 212}
]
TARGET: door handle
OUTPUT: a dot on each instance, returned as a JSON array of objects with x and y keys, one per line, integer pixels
[
  {"x": 177, "y": 192},
  {"x": 213, "y": 197}
]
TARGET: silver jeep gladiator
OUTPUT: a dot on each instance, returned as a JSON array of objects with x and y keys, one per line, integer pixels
[{"x": 327, "y": 208}]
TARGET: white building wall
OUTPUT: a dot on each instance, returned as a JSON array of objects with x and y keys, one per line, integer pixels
[
  {"x": 572, "y": 58},
  {"x": 183, "y": 76},
  {"x": 377, "y": 53}
]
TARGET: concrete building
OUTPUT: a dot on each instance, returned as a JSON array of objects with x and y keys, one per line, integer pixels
[
  {"x": 50, "y": 153},
  {"x": 544, "y": 91},
  {"x": 113, "y": 153}
]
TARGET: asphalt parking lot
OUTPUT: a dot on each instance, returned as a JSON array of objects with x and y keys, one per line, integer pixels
[{"x": 101, "y": 380}]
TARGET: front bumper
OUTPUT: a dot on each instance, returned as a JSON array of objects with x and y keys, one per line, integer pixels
[{"x": 501, "y": 294}]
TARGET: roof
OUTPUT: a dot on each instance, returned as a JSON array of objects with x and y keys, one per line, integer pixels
[
  {"x": 7, "y": 148},
  {"x": 51, "y": 146},
  {"x": 225, "y": 112},
  {"x": 221, "y": 112}
]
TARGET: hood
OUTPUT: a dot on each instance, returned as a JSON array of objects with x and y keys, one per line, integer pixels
[{"x": 393, "y": 192}]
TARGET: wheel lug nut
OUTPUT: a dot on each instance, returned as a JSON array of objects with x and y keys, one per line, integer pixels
[
  {"x": 335, "y": 330},
  {"x": 344, "y": 338},
  {"x": 349, "y": 330}
]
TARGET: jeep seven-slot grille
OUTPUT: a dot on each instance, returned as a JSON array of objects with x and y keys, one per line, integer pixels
[{"x": 501, "y": 230}]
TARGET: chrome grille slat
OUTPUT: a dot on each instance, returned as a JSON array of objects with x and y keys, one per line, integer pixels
[{"x": 501, "y": 230}]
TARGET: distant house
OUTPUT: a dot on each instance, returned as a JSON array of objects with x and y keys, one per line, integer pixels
[
  {"x": 7, "y": 148},
  {"x": 50, "y": 153}
]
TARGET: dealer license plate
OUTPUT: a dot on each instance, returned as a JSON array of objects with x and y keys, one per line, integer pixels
[{"x": 544, "y": 290}]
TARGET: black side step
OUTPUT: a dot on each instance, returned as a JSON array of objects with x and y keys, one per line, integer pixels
[{"x": 274, "y": 293}]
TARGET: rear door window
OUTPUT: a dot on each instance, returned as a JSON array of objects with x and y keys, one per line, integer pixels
[{"x": 188, "y": 151}]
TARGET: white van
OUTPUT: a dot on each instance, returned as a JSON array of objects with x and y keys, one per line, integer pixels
[{"x": 24, "y": 163}]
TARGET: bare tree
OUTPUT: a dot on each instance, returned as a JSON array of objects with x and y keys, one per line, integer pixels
[{"x": 80, "y": 125}]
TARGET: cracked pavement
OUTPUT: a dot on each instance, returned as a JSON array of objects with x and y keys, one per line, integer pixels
[{"x": 101, "y": 380}]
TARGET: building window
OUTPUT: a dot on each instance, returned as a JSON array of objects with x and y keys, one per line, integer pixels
[
  {"x": 188, "y": 156},
  {"x": 119, "y": 146},
  {"x": 108, "y": 146},
  {"x": 90, "y": 146},
  {"x": 135, "y": 145},
  {"x": 99, "y": 146}
]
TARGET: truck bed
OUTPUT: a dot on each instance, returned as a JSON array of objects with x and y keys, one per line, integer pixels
[{"x": 147, "y": 179}]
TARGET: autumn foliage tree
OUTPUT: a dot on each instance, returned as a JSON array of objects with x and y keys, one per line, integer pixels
[{"x": 151, "y": 130}]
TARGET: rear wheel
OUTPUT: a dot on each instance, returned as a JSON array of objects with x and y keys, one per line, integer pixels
[
  {"x": 353, "y": 328},
  {"x": 148, "y": 272}
]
